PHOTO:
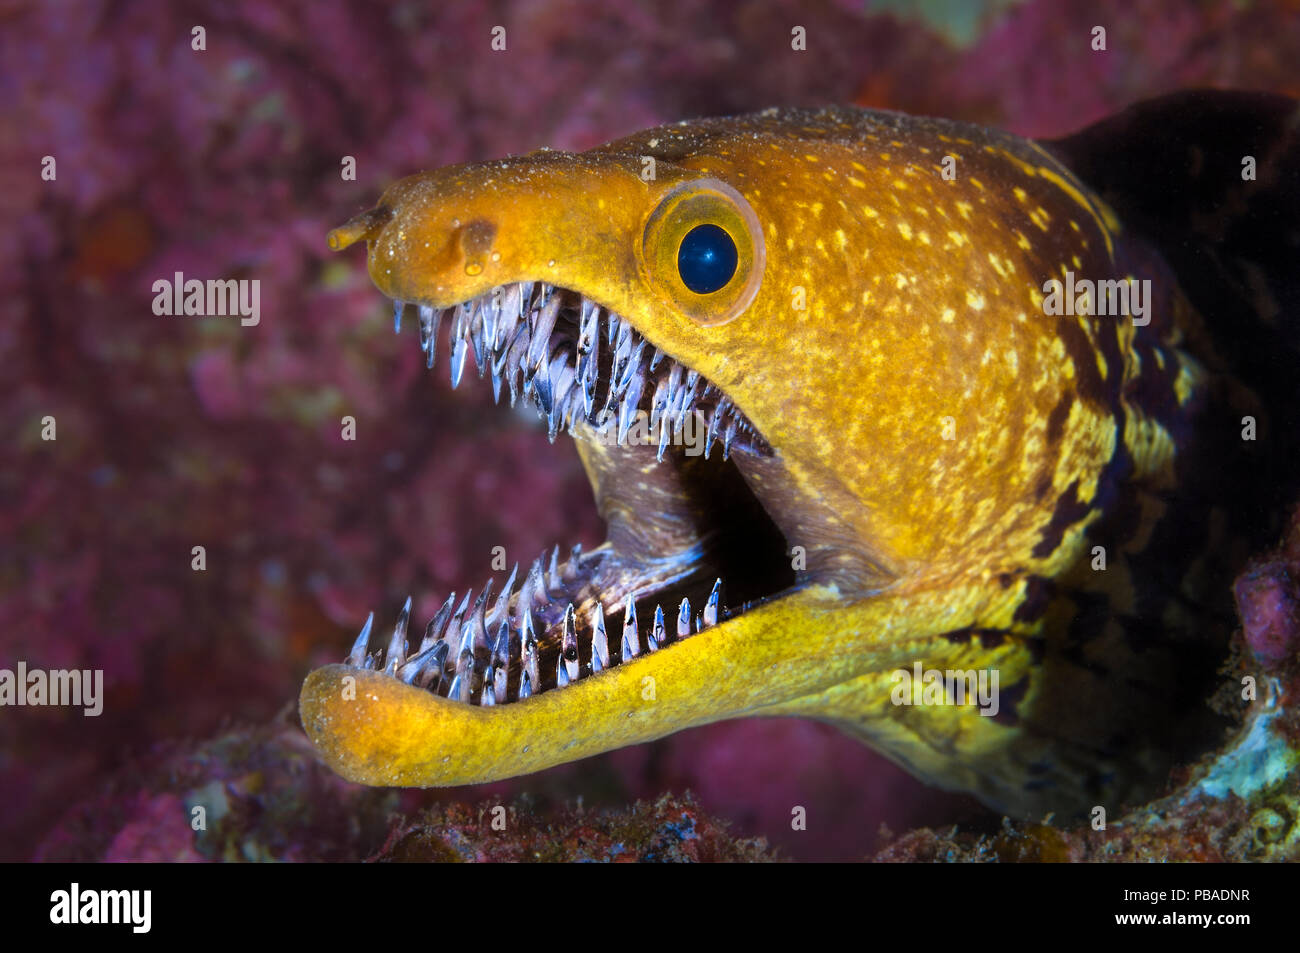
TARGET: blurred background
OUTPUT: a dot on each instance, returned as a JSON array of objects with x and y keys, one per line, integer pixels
[{"x": 176, "y": 432}]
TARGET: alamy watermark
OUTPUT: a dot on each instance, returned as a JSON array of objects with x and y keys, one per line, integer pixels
[
  {"x": 1110, "y": 297},
  {"x": 133, "y": 908},
  {"x": 212, "y": 298},
  {"x": 691, "y": 432},
  {"x": 77, "y": 688},
  {"x": 933, "y": 686}
]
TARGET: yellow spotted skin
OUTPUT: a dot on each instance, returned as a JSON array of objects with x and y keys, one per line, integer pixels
[{"x": 948, "y": 455}]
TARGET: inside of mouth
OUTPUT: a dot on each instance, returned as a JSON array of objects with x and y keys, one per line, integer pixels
[{"x": 662, "y": 578}]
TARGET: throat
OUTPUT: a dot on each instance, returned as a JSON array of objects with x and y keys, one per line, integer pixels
[{"x": 826, "y": 530}]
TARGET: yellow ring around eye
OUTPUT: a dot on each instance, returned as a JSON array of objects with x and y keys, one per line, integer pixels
[{"x": 690, "y": 204}]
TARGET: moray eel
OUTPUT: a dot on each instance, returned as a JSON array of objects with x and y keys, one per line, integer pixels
[{"x": 912, "y": 464}]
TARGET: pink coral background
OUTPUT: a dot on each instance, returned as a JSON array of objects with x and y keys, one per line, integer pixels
[{"x": 175, "y": 432}]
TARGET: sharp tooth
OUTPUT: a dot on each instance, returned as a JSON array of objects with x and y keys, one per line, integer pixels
[
  {"x": 589, "y": 390},
  {"x": 541, "y": 381},
  {"x": 569, "y": 648},
  {"x": 675, "y": 391},
  {"x": 599, "y": 640},
  {"x": 532, "y": 586},
  {"x": 572, "y": 408},
  {"x": 476, "y": 332},
  {"x": 659, "y": 402},
  {"x": 465, "y": 660},
  {"x": 469, "y": 640},
  {"x": 627, "y": 410},
  {"x": 501, "y": 647},
  {"x": 501, "y": 659},
  {"x": 507, "y": 327},
  {"x": 453, "y": 628},
  {"x": 659, "y": 632},
  {"x": 625, "y": 332},
  {"x": 459, "y": 690},
  {"x": 433, "y": 631},
  {"x": 561, "y": 377},
  {"x": 489, "y": 697},
  {"x": 612, "y": 331},
  {"x": 635, "y": 366},
  {"x": 619, "y": 365},
  {"x": 534, "y": 294},
  {"x": 503, "y": 601},
  {"x": 499, "y": 682},
  {"x": 460, "y": 321},
  {"x": 688, "y": 401},
  {"x": 631, "y": 640},
  {"x": 564, "y": 379},
  {"x": 511, "y": 363},
  {"x": 397, "y": 316},
  {"x": 490, "y": 306},
  {"x": 622, "y": 361},
  {"x": 588, "y": 353},
  {"x": 588, "y": 325},
  {"x": 561, "y": 676},
  {"x": 712, "y": 434},
  {"x": 665, "y": 434},
  {"x": 429, "y": 321},
  {"x": 525, "y": 686},
  {"x": 357, "y": 657},
  {"x": 711, "y": 609},
  {"x": 553, "y": 573},
  {"x": 658, "y": 356},
  {"x": 397, "y": 644},
  {"x": 684, "y": 619},
  {"x": 424, "y": 666},
  {"x": 529, "y": 648},
  {"x": 728, "y": 435},
  {"x": 508, "y": 316},
  {"x": 540, "y": 346},
  {"x": 459, "y": 351}
]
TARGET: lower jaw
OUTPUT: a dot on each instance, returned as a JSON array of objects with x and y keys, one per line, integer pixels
[{"x": 376, "y": 730}]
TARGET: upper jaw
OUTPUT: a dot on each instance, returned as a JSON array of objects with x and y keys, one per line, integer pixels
[{"x": 580, "y": 363}]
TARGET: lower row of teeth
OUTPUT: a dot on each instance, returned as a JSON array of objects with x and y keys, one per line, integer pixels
[
  {"x": 490, "y": 657},
  {"x": 510, "y": 329}
]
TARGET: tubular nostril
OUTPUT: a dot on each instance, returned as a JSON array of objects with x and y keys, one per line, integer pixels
[
  {"x": 475, "y": 241},
  {"x": 363, "y": 226}
]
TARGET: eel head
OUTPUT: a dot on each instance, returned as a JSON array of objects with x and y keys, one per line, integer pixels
[{"x": 730, "y": 318}]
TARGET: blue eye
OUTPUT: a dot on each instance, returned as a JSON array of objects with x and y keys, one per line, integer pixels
[{"x": 707, "y": 259}]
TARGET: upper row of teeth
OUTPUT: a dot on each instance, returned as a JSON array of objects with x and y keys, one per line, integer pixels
[
  {"x": 445, "y": 660},
  {"x": 509, "y": 331}
]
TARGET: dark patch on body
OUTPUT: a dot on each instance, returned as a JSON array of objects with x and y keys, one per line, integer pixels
[
  {"x": 988, "y": 638},
  {"x": 1069, "y": 510},
  {"x": 1056, "y": 420},
  {"x": 1035, "y": 600},
  {"x": 1008, "y": 698}
]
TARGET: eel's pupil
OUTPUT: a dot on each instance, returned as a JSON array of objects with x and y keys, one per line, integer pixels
[{"x": 706, "y": 259}]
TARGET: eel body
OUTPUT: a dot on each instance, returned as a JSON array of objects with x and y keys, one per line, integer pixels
[{"x": 919, "y": 461}]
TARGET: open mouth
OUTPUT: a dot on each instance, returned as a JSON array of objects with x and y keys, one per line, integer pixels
[{"x": 698, "y": 550}]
